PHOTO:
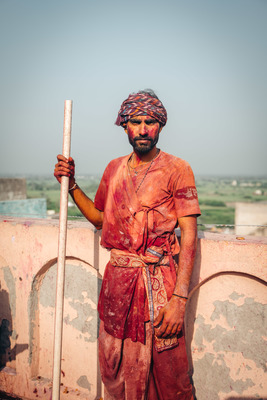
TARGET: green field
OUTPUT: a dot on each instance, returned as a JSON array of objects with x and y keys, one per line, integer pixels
[
  {"x": 49, "y": 188},
  {"x": 217, "y": 195}
]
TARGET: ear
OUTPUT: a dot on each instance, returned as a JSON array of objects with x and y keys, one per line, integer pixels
[
  {"x": 125, "y": 128},
  {"x": 160, "y": 128}
]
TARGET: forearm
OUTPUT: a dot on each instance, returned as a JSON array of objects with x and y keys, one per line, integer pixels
[
  {"x": 87, "y": 207},
  {"x": 171, "y": 317},
  {"x": 186, "y": 260}
]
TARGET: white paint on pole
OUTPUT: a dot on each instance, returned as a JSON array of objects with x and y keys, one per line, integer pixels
[{"x": 63, "y": 214}]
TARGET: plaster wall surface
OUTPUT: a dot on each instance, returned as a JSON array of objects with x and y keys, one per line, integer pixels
[{"x": 225, "y": 319}]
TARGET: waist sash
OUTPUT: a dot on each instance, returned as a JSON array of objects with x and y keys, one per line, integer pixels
[{"x": 151, "y": 264}]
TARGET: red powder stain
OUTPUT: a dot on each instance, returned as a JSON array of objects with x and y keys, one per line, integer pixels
[
  {"x": 27, "y": 224},
  {"x": 38, "y": 244}
]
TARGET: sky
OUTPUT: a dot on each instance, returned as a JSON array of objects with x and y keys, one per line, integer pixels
[{"x": 205, "y": 59}]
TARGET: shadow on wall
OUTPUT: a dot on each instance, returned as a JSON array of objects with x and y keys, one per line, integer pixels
[
  {"x": 7, "y": 354},
  {"x": 5, "y": 396},
  {"x": 5, "y": 329}
]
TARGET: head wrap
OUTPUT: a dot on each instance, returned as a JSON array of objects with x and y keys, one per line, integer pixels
[{"x": 141, "y": 104}]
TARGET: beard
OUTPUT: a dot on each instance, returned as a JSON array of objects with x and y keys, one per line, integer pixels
[{"x": 142, "y": 148}]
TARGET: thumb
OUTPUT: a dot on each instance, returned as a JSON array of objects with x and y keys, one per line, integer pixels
[{"x": 159, "y": 318}]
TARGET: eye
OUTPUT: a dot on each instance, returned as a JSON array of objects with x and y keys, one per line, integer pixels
[
  {"x": 135, "y": 121},
  {"x": 151, "y": 122}
]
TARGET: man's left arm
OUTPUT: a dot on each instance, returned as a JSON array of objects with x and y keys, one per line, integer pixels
[{"x": 171, "y": 318}]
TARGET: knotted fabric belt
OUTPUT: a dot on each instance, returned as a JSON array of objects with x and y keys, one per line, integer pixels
[{"x": 155, "y": 289}]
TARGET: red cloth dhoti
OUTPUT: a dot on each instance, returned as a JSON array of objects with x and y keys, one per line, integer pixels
[{"x": 136, "y": 371}]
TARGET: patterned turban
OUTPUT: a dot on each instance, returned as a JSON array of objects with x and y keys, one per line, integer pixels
[{"x": 141, "y": 104}]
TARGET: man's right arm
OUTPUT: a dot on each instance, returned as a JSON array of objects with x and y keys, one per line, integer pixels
[{"x": 66, "y": 167}]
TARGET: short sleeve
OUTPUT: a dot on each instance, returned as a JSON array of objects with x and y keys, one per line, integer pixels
[
  {"x": 185, "y": 192},
  {"x": 100, "y": 197},
  {"x": 102, "y": 191}
]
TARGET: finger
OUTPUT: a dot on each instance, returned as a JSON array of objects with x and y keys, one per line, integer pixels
[
  {"x": 57, "y": 176},
  {"x": 62, "y": 170},
  {"x": 71, "y": 161},
  {"x": 161, "y": 330},
  {"x": 64, "y": 166},
  {"x": 168, "y": 331},
  {"x": 60, "y": 157},
  {"x": 159, "y": 319},
  {"x": 178, "y": 329},
  {"x": 175, "y": 330},
  {"x": 160, "y": 333}
]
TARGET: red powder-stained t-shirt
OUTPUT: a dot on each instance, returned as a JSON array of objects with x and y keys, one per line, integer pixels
[
  {"x": 167, "y": 193},
  {"x": 140, "y": 210}
]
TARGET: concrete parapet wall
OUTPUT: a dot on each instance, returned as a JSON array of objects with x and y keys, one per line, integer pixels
[
  {"x": 225, "y": 321},
  {"x": 29, "y": 208}
]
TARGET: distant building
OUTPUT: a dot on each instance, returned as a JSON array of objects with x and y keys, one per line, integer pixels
[
  {"x": 13, "y": 189},
  {"x": 14, "y": 202},
  {"x": 258, "y": 192},
  {"x": 251, "y": 219}
]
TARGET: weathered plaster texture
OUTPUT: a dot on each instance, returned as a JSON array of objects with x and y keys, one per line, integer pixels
[
  {"x": 225, "y": 317},
  {"x": 229, "y": 340},
  {"x": 81, "y": 293}
]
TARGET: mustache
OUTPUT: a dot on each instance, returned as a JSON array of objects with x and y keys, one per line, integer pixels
[{"x": 142, "y": 138}]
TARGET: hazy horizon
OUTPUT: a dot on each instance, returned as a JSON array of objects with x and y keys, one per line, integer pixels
[{"x": 99, "y": 175}]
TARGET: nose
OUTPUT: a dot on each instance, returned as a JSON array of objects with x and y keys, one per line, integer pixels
[{"x": 143, "y": 129}]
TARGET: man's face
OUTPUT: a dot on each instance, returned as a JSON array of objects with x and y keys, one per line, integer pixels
[{"x": 143, "y": 133}]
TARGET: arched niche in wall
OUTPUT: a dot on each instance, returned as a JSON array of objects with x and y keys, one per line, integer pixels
[
  {"x": 80, "y": 324},
  {"x": 226, "y": 329}
]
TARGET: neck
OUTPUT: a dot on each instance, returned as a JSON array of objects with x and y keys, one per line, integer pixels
[{"x": 144, "y": 158}]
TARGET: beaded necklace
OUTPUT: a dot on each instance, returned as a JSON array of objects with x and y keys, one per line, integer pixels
[{"x": 136, "y": 172}]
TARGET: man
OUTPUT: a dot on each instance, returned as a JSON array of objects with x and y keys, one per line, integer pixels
[{"x": 140, "y": 201}]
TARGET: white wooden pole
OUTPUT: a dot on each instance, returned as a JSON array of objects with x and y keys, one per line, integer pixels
[{"x": 63, "y": 214}]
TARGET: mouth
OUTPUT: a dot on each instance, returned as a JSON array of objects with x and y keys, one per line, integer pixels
[{"x": 142, "y": 140}]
